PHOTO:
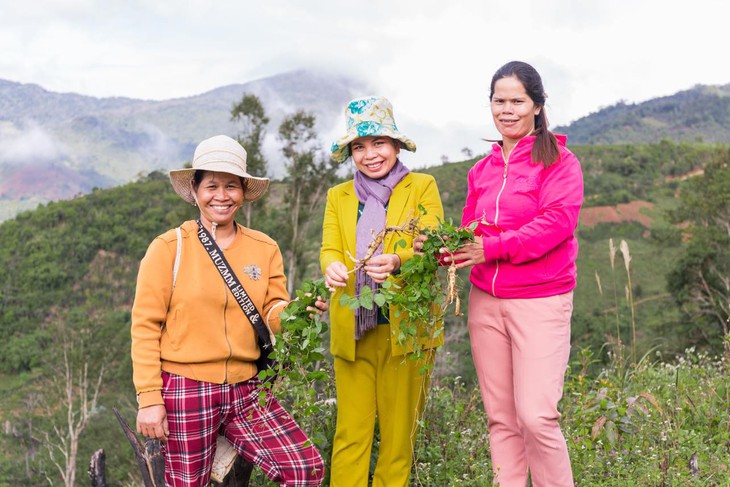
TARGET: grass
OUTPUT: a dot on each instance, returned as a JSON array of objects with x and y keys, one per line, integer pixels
[
  {"x": 643, "y": 424},
  {"x": 626, "y": 425},
  {"x": 634, "y": 413}
]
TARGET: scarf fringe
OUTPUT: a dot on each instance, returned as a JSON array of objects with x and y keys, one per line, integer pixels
[{"x": 366, "y": 319}]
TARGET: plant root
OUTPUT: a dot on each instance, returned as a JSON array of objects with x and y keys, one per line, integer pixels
[
  {"x": 452, "y": 294},
  {"x": 410, "y": 227}
]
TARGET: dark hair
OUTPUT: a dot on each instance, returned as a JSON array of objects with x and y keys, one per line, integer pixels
[
  {"x": 546, "y": 148},
  {"x": 199, "y": 174}
]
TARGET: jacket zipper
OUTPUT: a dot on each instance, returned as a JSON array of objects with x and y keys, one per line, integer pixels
[
  {"x": 496, "y": 216},
  {"x": 225, "y": 332}
]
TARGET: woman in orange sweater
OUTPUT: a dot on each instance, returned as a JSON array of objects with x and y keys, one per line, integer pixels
[{"x": 194, "y": 349}]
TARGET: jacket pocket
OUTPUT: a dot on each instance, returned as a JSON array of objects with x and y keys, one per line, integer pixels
[{"x": 176, "y": 329}]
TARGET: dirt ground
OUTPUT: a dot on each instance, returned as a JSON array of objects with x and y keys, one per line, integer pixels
[{"x": 628, "y": 212}]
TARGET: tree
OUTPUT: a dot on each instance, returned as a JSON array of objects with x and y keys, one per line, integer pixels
[
  {"x": 467, "y": 152},
  {"x": 250, "y": 113},
  {"x": 79, "y": 399},
  {"x": 309, "y": 174},
  {"x": 700, "y": 282}
]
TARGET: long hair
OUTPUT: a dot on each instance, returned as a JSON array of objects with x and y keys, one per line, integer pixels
[{"x": 546, "y": 148}]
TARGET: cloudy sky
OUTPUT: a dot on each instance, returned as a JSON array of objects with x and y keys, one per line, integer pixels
[{"x": 432, "y": 58}]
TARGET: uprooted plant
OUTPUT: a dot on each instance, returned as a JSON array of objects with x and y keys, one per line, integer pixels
[
  {"x": 418, "y": 292},
  {"x": 410, "y": 226},
  {"x": 449, "y": 238},
  {"x": 299, "y": 350},
  {"x": 301, "y": 372}
]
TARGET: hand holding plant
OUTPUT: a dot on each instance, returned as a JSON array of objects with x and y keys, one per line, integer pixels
[{"x": 419, "y": 296}]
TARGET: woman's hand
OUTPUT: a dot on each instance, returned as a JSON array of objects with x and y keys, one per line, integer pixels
[
  {"x": 468, "y": 255},
  {"x": 336, "y": 275},
  {"x": 320, "y": 306},
  {"x": 418, "y": 243},
  {"x": 381, "y": 266},
  {"x": 152, "y": 422}
]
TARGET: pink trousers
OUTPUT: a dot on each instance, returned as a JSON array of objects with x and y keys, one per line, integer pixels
[{"x": 520, "y": 349}]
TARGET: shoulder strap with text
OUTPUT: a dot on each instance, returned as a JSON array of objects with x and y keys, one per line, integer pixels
[{"x": 229, "y": 277}]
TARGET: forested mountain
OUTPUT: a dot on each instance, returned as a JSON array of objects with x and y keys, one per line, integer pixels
[
  {"x": 59, "y": 145},
  {"x": 700, "y": 114},
  {"x": 48, "y": 253}
]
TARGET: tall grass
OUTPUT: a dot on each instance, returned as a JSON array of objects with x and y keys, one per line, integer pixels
[
  {"x": 650, "y": 429},
  {"x": 668, "y": 425},
  {"x": 628, "y": 421},
  {"x": 636, "y": 422}
]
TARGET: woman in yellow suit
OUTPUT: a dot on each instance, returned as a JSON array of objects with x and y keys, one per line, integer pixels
[{"x": 373, "y": 377}]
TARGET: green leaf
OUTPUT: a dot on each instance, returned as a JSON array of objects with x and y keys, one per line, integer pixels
[
  {"x": 346, "y": 300},
  {"x": 366, "y": 302}
]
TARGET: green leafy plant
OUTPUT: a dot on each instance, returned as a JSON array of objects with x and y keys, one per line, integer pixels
[
  {"x": 659, "y": 424},
  {"x": 299, "y": 348},
  {"x": 302, "y": 374},
  {"x": 419, "y": 294}
]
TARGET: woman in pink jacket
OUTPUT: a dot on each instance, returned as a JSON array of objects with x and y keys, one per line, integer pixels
[{"x": 526, "y": 196}]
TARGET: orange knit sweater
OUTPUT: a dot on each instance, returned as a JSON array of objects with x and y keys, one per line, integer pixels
[{"x": 199, "y": 331}]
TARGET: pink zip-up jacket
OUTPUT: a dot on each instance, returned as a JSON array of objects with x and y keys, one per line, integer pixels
[{"x": 527, "y": 218}]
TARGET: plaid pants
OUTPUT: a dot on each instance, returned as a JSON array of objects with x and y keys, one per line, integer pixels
[{"x": 264, "y": 435}]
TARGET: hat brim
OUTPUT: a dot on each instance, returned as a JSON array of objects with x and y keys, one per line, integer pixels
[
  {"x": 340, "y": 150},
  {"x": 181, "y": 180}
]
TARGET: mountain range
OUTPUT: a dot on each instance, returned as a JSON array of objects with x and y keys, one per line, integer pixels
[{"x": 58, "y": 145}]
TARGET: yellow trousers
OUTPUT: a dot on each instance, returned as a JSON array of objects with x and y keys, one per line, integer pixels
[{"x": 392, "y": 389}]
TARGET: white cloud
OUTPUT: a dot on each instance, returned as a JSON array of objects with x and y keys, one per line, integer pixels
[
  {"x": 31, "y": 144},
  {"x": 434, "y": 59}
]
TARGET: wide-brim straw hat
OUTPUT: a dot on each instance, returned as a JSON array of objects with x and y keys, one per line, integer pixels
[
  {"x": 219, "y": 154},
  {"x": 369, "y": 116}
]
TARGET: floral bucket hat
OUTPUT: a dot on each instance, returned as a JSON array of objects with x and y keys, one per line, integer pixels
[{"x": 369, "y": 116}]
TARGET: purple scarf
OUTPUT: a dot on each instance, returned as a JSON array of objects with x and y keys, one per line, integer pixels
[{"x": 374, "y": 194}]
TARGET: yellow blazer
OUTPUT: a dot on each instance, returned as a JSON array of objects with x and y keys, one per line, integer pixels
[{"x": 338, "y": 236}]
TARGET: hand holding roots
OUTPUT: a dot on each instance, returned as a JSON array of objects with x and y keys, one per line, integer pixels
[
  {"x": 449, "y": 238},
  {"x": 409, "y": 227},
  {"x": 444, "y": 236}
]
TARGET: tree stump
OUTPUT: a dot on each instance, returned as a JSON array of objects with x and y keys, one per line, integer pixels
[
  {"x": 97, "y": 469},
  {"x": 150, "y": 461},
  {"x": 239, "y": 475}
]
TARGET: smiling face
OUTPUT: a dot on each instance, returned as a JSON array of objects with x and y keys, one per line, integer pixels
[
  {"x": 513, "y": 110},
  {"x": 374, "y": 156},
  {"x": 219, "y": 196}
]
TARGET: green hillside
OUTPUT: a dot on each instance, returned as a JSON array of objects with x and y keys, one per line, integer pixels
[
  {"x": 70, "y": 267},
  {"x": 700, "y": 114}
]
